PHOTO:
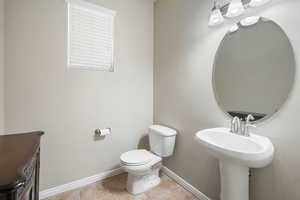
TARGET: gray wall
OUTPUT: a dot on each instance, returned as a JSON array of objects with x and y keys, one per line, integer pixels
[
  {"x": 41, "y": 94},
  {"x": 184, "y": 99},
  {"x": 1, "y": 66}
]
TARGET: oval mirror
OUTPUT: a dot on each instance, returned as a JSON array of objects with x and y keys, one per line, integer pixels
[{"x": 254, "y": 70}]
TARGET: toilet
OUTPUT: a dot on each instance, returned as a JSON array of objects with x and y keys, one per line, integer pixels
[{"x": 143, "y": 166}]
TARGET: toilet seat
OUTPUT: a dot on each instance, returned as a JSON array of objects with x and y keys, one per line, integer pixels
[{"x": 136, "y": 157}]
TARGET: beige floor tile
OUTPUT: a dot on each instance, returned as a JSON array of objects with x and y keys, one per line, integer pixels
[
  {"x": 71, "y": 195},
  {"x": 114, "y": 188}
]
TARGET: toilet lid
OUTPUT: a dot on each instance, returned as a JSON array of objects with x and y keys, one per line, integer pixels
[{"x": 136, "y": 157}]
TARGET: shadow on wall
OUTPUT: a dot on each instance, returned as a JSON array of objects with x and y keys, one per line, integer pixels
[{"x": 144, "y": 143}]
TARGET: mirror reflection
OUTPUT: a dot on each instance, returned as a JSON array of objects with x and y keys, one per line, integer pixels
[{"x": 254, "y": 70}]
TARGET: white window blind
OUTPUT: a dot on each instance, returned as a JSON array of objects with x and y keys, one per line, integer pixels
[{"x": 90, "y": 36}]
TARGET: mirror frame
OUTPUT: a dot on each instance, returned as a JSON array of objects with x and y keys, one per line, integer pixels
[{"x": 217, "y": 99}]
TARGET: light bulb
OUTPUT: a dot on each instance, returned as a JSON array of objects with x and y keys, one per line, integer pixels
[
  {"x": 234, "y": 28},
  {"x": 256, "y": 3},
  {"x": 216, "y": 17},
  {"x": 249, "y": 21},
  {"x": 236, "y": 8}
]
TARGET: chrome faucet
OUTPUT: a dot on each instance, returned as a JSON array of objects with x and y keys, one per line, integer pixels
[
  {"x": 235, "y": 125},
  {"x": 242, "y": 128},
  {"x": 246, "y": 129}
]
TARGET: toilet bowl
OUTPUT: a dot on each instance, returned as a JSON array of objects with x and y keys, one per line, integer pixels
[
  {"x": 143, "y": 166},
  {"x": 143, "y": 170}
]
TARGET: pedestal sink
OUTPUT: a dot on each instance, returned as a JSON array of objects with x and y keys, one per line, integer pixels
[{"x": 236, "y": 155}]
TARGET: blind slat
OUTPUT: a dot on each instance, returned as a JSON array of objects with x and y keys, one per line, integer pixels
[{"x": 90, "y": 36}]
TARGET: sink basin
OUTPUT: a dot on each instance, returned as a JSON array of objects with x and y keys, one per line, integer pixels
[
  {"x": 254, "y": 151},
  {"x": 236, "y": 155}
]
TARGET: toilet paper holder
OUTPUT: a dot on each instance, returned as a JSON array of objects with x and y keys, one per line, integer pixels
[{"x": 102, "y": 132}]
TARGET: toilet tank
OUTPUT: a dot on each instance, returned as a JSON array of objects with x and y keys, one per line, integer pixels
[{"x": 162, "y": 140}]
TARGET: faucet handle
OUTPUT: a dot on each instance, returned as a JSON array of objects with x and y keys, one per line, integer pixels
[
  {"x": 247, "y": 128},
  {"x": 235, "y": 125}
]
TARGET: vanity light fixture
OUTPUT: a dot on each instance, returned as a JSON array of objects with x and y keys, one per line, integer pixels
[
  {"x": 216, "y": 16},
  {"x": 236, "y": 8},
  {"x": 248, "y": 21},
  {"x": 256, "y": 3},
  {"x": 231, "y": 9}
]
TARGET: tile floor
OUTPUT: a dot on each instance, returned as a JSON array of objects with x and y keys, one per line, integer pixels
[{"x": 114, "y": 189}]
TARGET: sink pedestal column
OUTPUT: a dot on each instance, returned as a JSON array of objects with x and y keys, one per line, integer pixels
[{"x": 234, "y": 181}]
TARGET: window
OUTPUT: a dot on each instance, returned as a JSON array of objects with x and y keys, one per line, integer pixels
[{"x": 90, "y": 36}]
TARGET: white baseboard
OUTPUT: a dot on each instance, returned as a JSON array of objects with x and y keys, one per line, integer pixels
[
  {"x": 185, "y": 184},
  {"x": 98, "y": 177},
  {"x": 79, "y": 183}
]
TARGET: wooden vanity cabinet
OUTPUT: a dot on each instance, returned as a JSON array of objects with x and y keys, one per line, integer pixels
[{"x": 19, "y": 166}]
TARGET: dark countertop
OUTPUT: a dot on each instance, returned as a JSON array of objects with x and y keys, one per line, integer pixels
[{"x": 15, "y": 151}]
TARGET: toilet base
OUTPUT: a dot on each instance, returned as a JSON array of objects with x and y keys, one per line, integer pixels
[{"x": 137, "y": 184}]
